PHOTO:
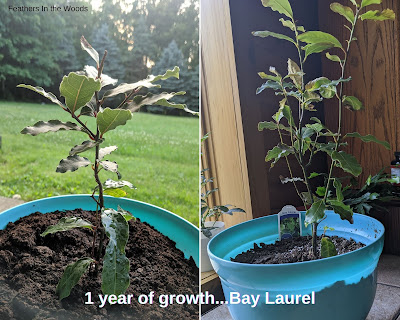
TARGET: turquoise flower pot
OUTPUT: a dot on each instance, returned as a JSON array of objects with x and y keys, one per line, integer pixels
[
  {"x": 341, "y": 287},
  {"x": 185, "y": 234}
]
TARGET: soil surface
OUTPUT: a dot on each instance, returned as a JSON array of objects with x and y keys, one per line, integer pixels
[
  {"x": 291, "y": 250},
  {"x": 31, "y": 266}
]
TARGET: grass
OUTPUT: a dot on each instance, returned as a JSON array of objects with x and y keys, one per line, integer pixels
[{"x": 158, "y": 154}]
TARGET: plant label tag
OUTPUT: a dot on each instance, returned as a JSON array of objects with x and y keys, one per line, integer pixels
[{"x": 289, "y": 223}]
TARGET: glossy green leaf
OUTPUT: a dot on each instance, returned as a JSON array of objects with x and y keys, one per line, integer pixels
[
  {"x": 345, "y": 11},
  {"x": 319, "y": 37},
  {"x": 115, "y": 274},
  {"x": 89, "y": 49},
  {"x": 327, "y": 248},
  {"x": 268, "y": 85},
  {"x": 287, "y": 113},
  {"x": 282, "y": 6},
  {"x": 347, "y": 162},
  {"x": 368, "y": 138},
  {"x": 353, "y": 103},
  {"x": 41, "y": 91},
  {"x": 78, "y": 90},
  {"x": 333, "y": 57},
  {"x": 115, "y": 192},
  {"x": 84, "y": 146},
  {"x": 109, "y": 119},
  {"x": 67, "y": 223},
  {"x": 315, "y": 213},
  {"x": 72, "y": 163},
  {"x": 320, "y": 191},
  {"x": 50, "y": 126},
  {"x": 365, "y": 3},
  {"x": 264, "y": 34},
  {"x": 71, "y": 276},
  {"x": 345, "y": 211},
  {"x": 106, "y": 151},
  {"x": 126, "y": 214},
  {"x": 377, "y": 15},
  {"x": 279, "y": 151},
  {"x": 316, "y": 48},
  {"x": 263, "y": 75}
]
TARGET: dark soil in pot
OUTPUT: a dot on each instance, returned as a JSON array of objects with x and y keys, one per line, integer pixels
[
  {"x": 31, "y": 266},
  {"x": 291, "y": 250}
]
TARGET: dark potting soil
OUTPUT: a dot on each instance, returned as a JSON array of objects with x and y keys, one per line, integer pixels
[
  {"x": 31, "y": 266},
  {"x": 292, "y": 250}
]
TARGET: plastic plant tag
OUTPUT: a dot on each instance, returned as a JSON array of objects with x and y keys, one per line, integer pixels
[{"x": 289, "y": 223}]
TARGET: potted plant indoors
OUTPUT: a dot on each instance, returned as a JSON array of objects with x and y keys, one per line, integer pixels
[
  {"x": 105, "y": 263},
  {"x": 210, "y": 228},
  {"x": 320, "y": 281}
]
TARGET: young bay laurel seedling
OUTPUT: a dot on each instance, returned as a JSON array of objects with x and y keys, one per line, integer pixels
[
  {"x": 81, "y": 91},
  {"x": 303, "y": 140}
]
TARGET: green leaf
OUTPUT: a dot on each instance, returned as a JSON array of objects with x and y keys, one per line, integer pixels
[
  {"x": 269, "y": 125},
  {"x": 320, "y": 191},
  {"x": 41, "y": 91},
  {"x": 268, "y": 85},
  {"x": 377, "y": 15},
  {"x": 111, "y": 166},
  {"x": 264, "y": 34},
  {"x": 263, "y": 75},
  {"x": 313, "y": 175},
  {"x": 327, "y": 248},
  {"x": 346, "y": 12},
  {"x": 354, "y": 2},
  {"x": 126, "y": 214},
  {"x": 279, "y": 151},
  {"x": 294, "y": 73},
  {"x": 345, "y": 211},
  {"x": 338, "y": 186},
  {"x": 287, "y": 113},
  {"x": 288, "y": 24},
  {"x": 115, "y": 274},
  {"x": 84, "y": 146},
  {"x": 50, "y": 126},
  {"x": 353, "y": 103},
  {"x": 106, "y": 151},
  {"x": 72, "y": 273},
  {"x": 319, "y": 37},
  {"x": 365, "y": 3},
  {"x": 78, "y": 90},
  {"x": 72, "y": 163},
  {"x": 109, "y": 119},
  {"x": 67, "y": 223},
  {"x": 347, "y": 162},
  {"x": 301, "y": 29},
  {"x": 282, "y": 6},
  {"x": 333, "y": 57},
  {"x": 115, "y": 192},
  {"x": 315, "y": 213},
  {"x": 89, "y": 49},
  {"x": 316, "y": 48},
  {"x": 168, "y": 74},
  {"x": 368, "y": 138},
  {"x": 110, "y": 184}
]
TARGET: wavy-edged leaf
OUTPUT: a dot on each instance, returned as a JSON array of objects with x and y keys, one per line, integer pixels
[
  {"x": 282, "y": 6},
  {"x": 344, "y": 211},
  {"x": 377, "y": 15},
  {"x": 265, "y": 34},
  {"x": 78, "y": 90},
  {"x": 72, "y": 163},
  {"x": 84, "y": 146},
  {"x": 333, "y": 57},
  {"x": 288, "y": 24},
  {"x": 269, "y": 125},
  {"x": 111, "y": 166},
  {"x": 115, "y": 192},
  {"x": 319, "y": 37},
  {"x": 347, "y": 162},
  {"x": 168, "y": 74},
  {"x": 344, "y": 11},
  {"x": 269, "y": 84},
  {"x": 105, "y": 80},
  {"x": 327, "y": 248},
  {"x": 106, "y": 151},
  {"x": 72, "y": 273},
  {"x": 352, "y": 103},
  {"x": 67, "y": 223},
  {"x": 315, "y": 213},
  {"x": 316, "y": 48},
  {"x": 115, "y": 274},
  {"x": 263, "y": 75},
  {"x": 89, "y": 49},
  {"x": 338, "y": 187},
  {"x": 50, "y": 126},
  {"x": 279, "y": 151},
  {"x": 110, "y": 184},
  {"x": 294, "y": 73},
  {"x": 365, "y": 3},
  {"x": 126, "y": 214},
  {"x": 368, "y": 138},
  {"x": 109, "y": 119},
  {"x": 41, "y": 91}
]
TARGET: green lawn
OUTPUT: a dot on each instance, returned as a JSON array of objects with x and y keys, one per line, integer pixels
[{"x": 158, "y": 154}]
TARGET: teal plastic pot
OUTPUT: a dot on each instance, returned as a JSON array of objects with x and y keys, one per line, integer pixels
[
  {"x": 343, "y": 286},
  {"x": 185, "y": 234}
]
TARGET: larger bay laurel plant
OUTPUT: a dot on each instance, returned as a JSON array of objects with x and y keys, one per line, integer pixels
[
  {"x": 81, "y": 91},
  {"x": 303, "y": 139}
]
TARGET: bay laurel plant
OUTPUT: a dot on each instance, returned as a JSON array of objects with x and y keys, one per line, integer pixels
[
  {"x": 81, "y": 91},
  {"x": 303, "y": 139}
]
